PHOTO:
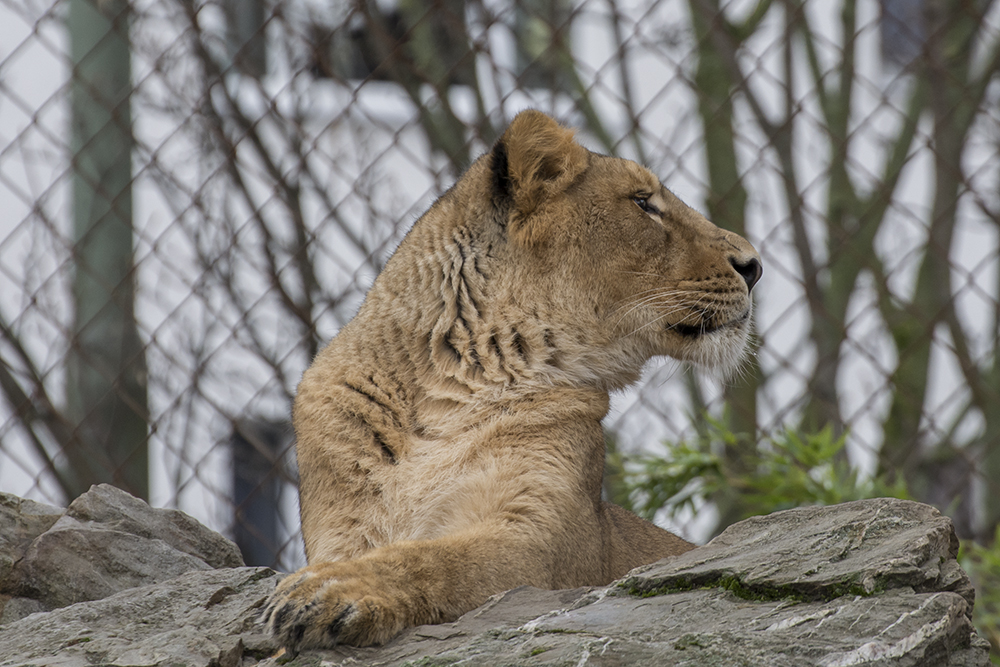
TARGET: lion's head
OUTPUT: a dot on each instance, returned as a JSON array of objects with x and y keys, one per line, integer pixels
[{"x": 549, "y": 262}]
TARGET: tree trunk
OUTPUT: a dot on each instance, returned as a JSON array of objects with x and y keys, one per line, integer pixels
[
  {"x": 106, "y": 368},
  {"x": 726, "y": 204}
]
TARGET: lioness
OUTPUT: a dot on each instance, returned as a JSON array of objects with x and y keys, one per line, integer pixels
[{"x": 449, "y": 437}]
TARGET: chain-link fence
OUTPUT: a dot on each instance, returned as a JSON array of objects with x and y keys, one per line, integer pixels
[{"x": 195, "y": 196}]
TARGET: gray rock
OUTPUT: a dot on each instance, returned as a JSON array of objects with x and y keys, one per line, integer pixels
[
  {"x": 699, "y": 627},
  {"x": 871, "y": 582},
  {"x": 16, "y": 608},
  {"x": 199, "y": 618},
  {"x": 868, "y": 583},
  {"x": 818, "y": 553},
  {"x": 111, "y": 508},
  {"x": 105, "y": 542},
  {"x": 21, "y": 521}
]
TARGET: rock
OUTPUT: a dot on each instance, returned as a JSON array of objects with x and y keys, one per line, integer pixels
[
  {"x": 702, "y": 627},
  {"x": 21, "y": 521},
  {"x": 819, "y": 553},
  {"x": 105, "y": 542},
  {"x": 199, "y": 618},
  {"x": 866, "y": 583},
  {"x": 871, "y": 582},
  {"x": 109, "y": 507}
]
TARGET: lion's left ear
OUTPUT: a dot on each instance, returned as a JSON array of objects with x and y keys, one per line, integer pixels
[{"x": 535, "y": 160}]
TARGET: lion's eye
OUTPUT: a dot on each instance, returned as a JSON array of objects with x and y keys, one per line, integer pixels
[{"x": 643, "y": 203}]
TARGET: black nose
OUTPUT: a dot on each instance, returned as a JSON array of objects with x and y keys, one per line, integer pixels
[{"x": 750, "y": 270}]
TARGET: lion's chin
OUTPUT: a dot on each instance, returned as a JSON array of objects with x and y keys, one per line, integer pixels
[
  {"x": 720, "y": 350},
  {"x": 712, "y": 325}
]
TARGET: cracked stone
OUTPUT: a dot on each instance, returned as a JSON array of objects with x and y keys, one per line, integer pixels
[{"x": 871, "y": 583}]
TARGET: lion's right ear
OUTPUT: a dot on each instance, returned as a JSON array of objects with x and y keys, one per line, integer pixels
[{"x": 534, "y": 160}]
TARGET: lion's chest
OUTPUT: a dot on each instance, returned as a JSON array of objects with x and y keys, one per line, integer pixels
[
  {"x": 437, "y": 488},
  {"x": 443, "y": 487}
]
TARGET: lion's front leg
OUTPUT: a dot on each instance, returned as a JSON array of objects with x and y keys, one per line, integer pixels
[{"x": 371, "y": 599}]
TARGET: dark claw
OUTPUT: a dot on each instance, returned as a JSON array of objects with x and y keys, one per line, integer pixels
[
  {"x": 338, "y": 623},
  {"x": 265, "y": 616},
  {"x": 279, "y": 617},
  {"x": 295, "y": 638}
]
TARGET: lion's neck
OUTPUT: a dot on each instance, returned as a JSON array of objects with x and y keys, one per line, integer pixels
[
  {"x": 464, "y": 364},
  {"x": 457, "y": 325}
]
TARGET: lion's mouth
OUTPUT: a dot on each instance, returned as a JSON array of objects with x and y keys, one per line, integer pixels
[{"x": 710, "y": 325}]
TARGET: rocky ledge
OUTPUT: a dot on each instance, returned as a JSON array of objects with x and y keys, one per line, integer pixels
[{"x": 111, "y": 581}]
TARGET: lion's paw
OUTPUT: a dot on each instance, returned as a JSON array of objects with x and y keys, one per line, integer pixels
[{"x": 323, "y": 605}]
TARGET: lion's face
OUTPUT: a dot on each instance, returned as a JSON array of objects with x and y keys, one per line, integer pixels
[
  {"x": 665, "y": 275},
  {"x": 548, "y": 264},
  {"x": 611, "y": 249}
]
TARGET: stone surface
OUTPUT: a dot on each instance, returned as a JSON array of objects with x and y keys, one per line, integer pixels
[
  {"x": 106, "y": 541},
  {"x": 871, "y": 582},
  {"x": 698, "y": 627},
  {"x": 199, "y": 618},
  {"x": 111, "y": 508},
  {"x": 866, "y": 583},
  {"x": 861, "y": 547},
  {"x": 21, "y": 521}
]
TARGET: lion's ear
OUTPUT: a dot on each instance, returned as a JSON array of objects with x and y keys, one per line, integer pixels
[{"x": 535, "y": 159}]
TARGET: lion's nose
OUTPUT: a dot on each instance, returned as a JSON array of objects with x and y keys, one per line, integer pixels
[{"x": 749, "y": 270}]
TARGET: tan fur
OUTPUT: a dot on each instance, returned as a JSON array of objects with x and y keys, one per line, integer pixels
[{"x": 449, "y": 438}]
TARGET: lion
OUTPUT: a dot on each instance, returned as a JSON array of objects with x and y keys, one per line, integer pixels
[{"x": 449, "y": 438}]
